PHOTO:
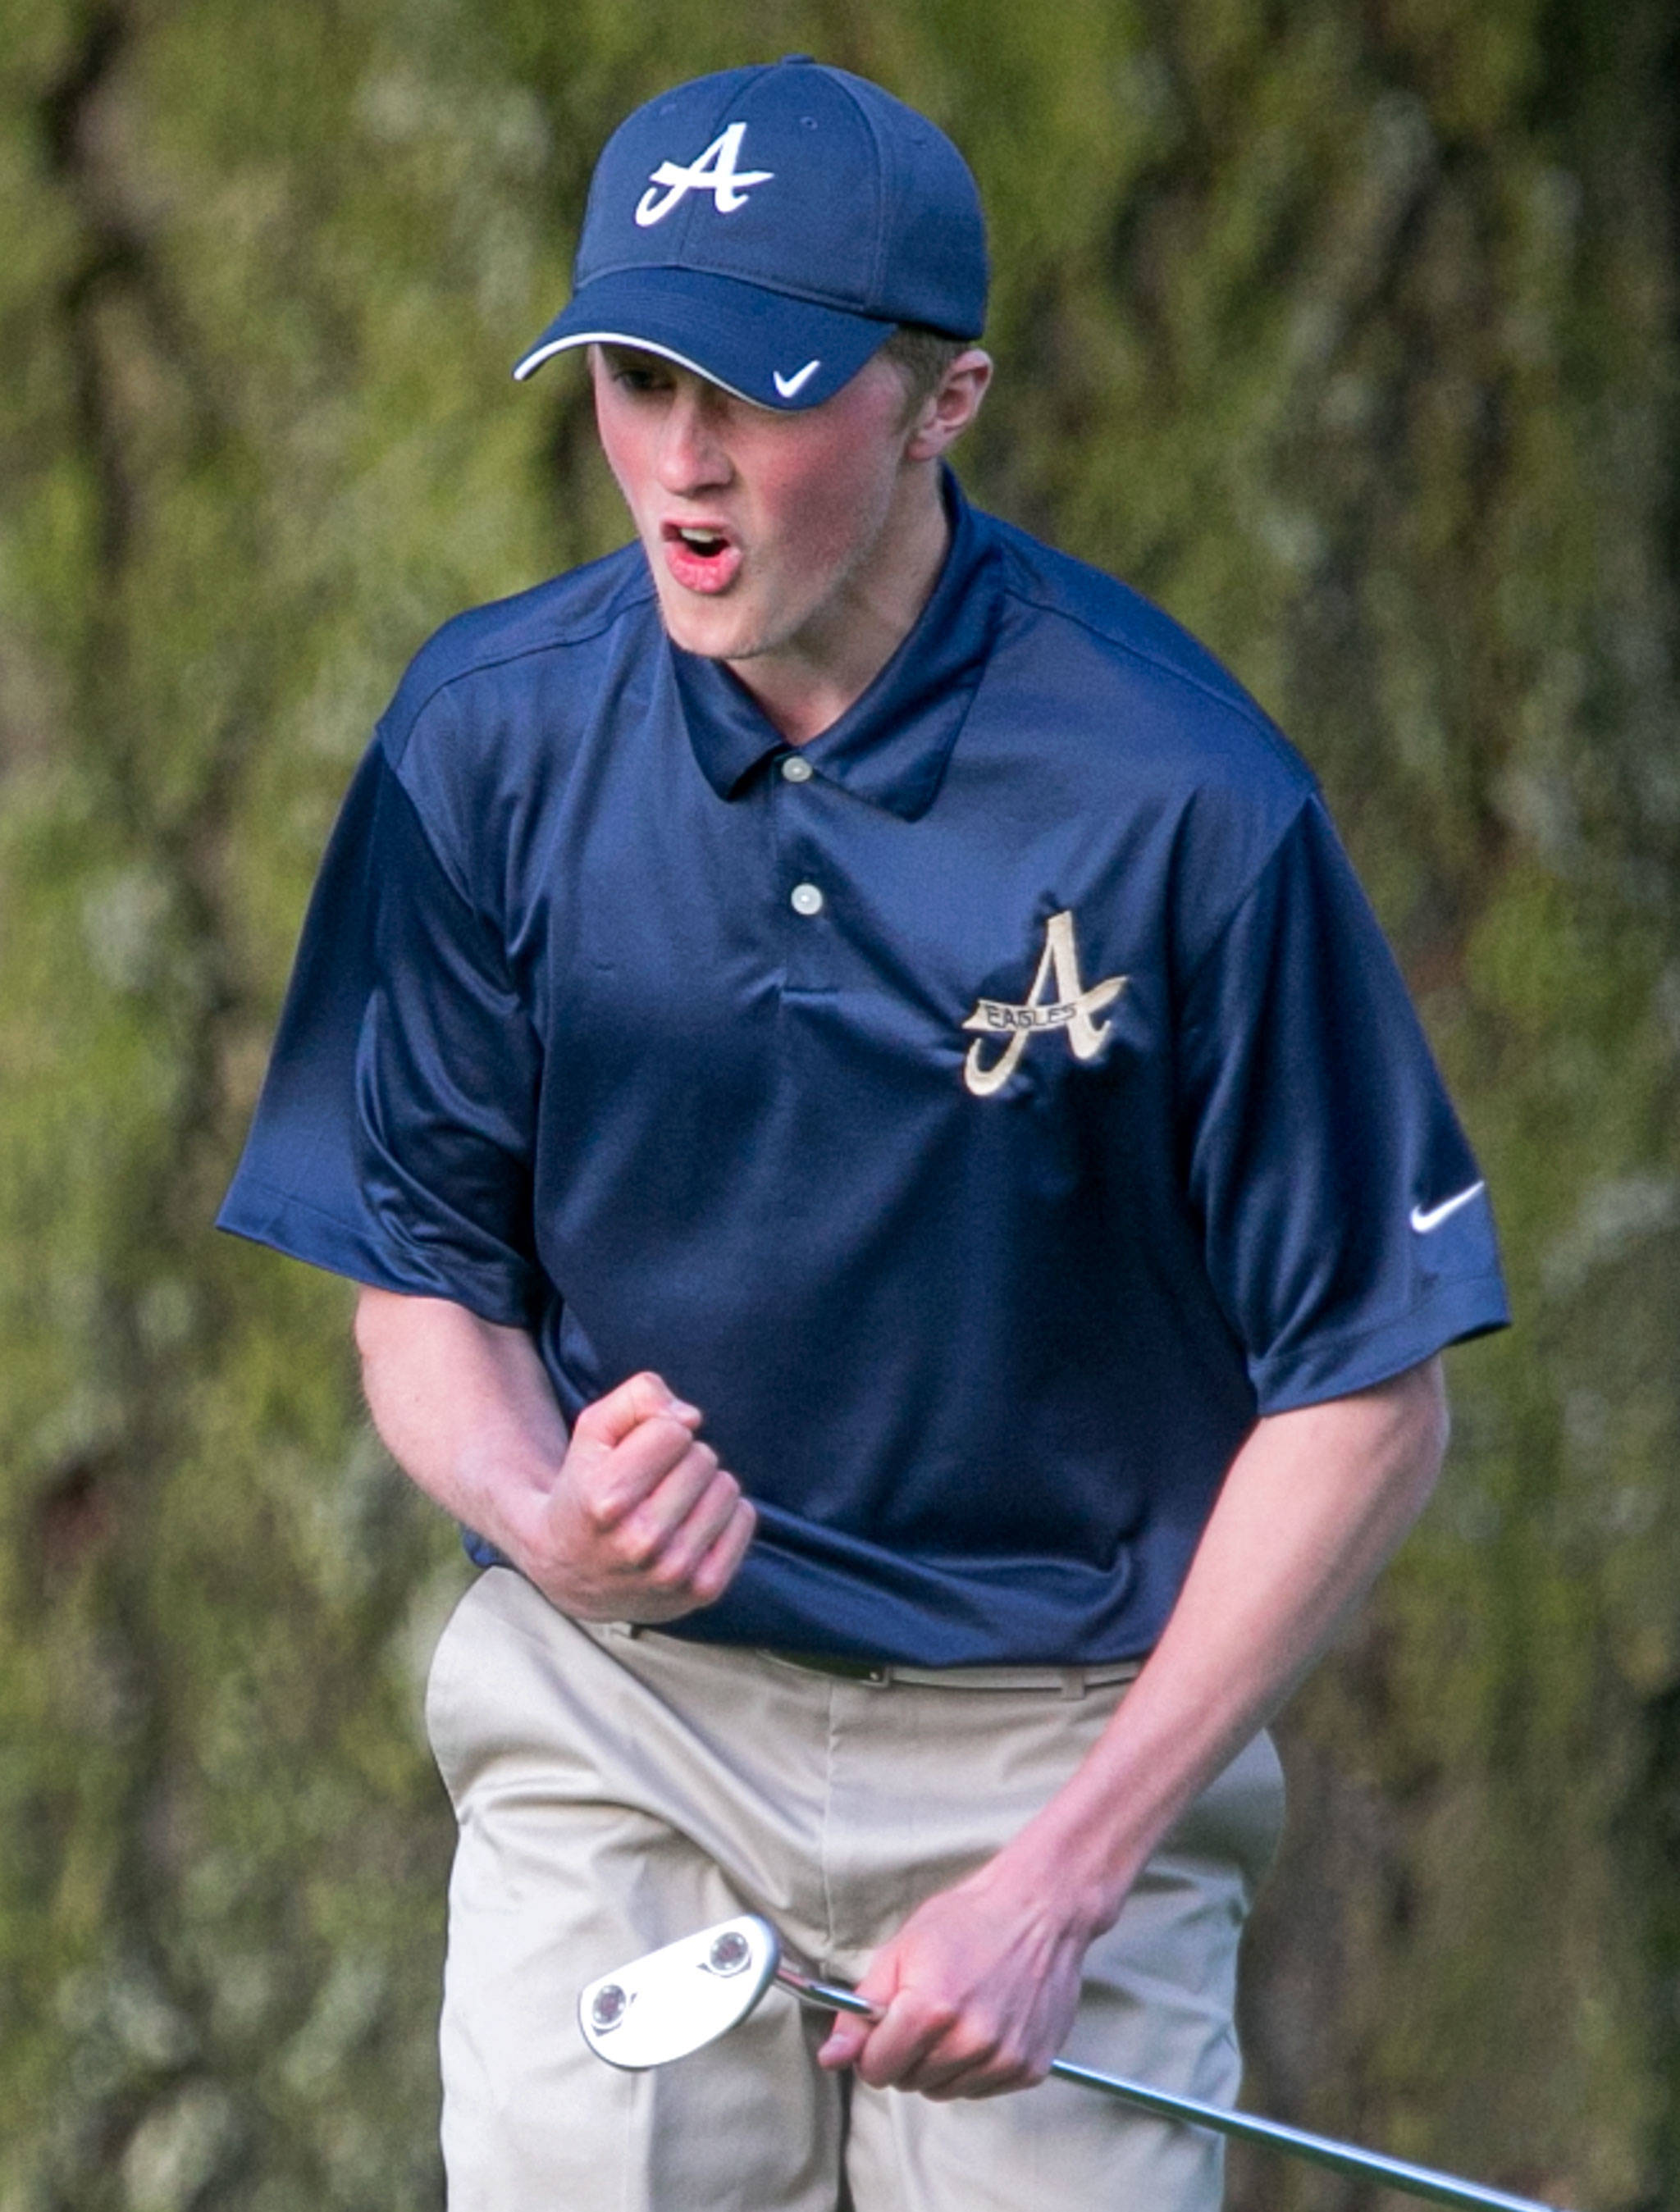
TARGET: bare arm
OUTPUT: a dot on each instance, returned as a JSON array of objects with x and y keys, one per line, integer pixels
[
  {"x": 980, "y": 1985},
  {"x": 628, "y": 1518}
]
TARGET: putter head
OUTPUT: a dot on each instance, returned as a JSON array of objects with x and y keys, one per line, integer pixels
[{"x": 664, "y": 2005}]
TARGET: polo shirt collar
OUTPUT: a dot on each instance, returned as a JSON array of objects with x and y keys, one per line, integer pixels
[{"x": 890, "y": 746}]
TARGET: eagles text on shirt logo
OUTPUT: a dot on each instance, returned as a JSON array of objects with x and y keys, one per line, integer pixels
[
  {"x": 1073, "y": 1009},
  {"x": 715, "y": 173}
]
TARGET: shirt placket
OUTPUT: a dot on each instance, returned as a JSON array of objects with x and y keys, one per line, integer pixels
[{"x": 805, "y": 888}]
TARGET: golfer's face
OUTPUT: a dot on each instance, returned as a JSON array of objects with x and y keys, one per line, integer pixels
[{"x": 763, "y": 529}]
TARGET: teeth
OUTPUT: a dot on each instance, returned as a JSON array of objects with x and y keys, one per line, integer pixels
[{"x": 701, "y": 541}]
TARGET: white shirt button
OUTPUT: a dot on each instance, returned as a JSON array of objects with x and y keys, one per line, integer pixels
[
  {"x": 795, "y": 770},
  {"x": 806, "y": 899}
]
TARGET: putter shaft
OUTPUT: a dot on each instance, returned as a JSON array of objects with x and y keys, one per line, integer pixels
[{"x": 1321, "y": 2150}]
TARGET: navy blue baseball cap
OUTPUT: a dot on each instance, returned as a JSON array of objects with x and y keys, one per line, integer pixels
[{"x": 769, "y": 228}]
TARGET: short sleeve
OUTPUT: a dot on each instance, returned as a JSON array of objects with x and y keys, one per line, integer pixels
[
  {"x": 1347, "y": 1231},
  {"x": 392, "y": 1140}
]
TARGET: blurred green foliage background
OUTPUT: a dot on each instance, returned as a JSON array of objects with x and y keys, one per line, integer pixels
[{"x": 1347, "y": 328}]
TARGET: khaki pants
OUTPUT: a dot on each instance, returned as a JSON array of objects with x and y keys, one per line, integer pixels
[{"x": 616, "y": 1790}]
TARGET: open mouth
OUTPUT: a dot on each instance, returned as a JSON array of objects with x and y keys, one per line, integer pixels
[{"x": 700, "y": 556}]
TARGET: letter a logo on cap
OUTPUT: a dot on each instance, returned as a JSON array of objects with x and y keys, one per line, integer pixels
[{"x": 715, "y": 173}]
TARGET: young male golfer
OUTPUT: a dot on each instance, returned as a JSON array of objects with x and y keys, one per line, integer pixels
[{"x": 896, "y": 1185}]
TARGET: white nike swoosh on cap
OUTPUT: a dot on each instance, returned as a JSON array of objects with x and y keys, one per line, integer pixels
[
  {"x": 1424, "y": 1223},
  {"x": 787, "y": 386}
]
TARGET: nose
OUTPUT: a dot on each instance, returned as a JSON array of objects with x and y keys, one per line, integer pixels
[{"x": 693, "y": 455}]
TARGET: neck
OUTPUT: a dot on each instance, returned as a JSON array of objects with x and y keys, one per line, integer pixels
[{"x": 807, "y": 684}]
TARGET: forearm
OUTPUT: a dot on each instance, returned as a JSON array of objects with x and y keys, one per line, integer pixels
[
  {"x": 465, "y": 1409},
  {"x": 1312, "y": 1507}
]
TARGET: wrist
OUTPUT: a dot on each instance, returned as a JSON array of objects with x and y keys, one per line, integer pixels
[
  {"x": 1079, "y": 1879},
  {"x": 506, "y": 1492}
]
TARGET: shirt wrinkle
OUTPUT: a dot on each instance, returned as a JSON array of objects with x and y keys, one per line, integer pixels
[{"x": 450, "y": 866}]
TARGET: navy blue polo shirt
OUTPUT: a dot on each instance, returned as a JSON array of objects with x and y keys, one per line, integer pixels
[{"x": 982, "y": 1113}]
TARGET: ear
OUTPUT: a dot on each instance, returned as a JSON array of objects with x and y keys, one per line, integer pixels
[{"x": 947, "y": 412}]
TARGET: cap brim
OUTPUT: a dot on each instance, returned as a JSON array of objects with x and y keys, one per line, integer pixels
[{"x": 762, "y": 346}]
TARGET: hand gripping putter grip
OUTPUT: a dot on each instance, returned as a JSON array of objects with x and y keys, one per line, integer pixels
[{"x": 677, "y": 2000}]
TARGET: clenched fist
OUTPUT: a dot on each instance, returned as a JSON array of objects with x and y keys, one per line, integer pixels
[{"x": 641, "y": 1523}]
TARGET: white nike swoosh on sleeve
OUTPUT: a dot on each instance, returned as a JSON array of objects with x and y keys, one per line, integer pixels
[
  {"x": 1424, "y": 1223},
  {"x": 787, "y": 386}
]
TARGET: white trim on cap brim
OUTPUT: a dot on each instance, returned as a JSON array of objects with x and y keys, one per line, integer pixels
[{"x": 533, "y": 361}]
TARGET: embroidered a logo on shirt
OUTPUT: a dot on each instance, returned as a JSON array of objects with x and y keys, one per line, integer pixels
[
  {"x": 1073, "y": 1008},
  {"x": 715, "y": 173}
]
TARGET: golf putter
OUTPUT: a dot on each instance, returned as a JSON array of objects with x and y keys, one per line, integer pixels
[{"x": 679, "y": 1999}]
